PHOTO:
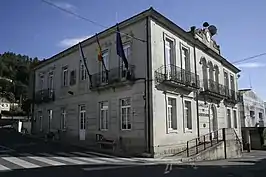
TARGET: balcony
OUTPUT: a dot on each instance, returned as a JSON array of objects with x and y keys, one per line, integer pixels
[
  {"x": 213, "y": 89},
  {"x": 44, "y": 96},
  {"x": 175, "y": 76},
  {"x": 232, "y": 96},
  {"x": 112, "y": 78}
]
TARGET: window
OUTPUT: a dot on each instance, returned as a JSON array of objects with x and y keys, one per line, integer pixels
[
  {"x": 102, "y": 70},
  {"x": 50, "y": 117},
  {"x": 65, "y": 76},
  {"x": 104, "y": 115},
  {"x": 187, "y": 116},
  {"x": 63, "y": 119},
  {"x": 125, "y": 112},
  {"x": 127, "y": 51},
  {"x": 73, "y": 77},
  {"x": 260, "y": 116},
  {"x": 229, "y": 118},
  {"x": 40, "y": 120},
  {"x": 51, "y": 83},
  {"x": 83, "y": 73},
  {"x": 41, "y": 82},
  {"x": 171, "y": 114},
  {"x": 82, "y": 117},
  {"x": 185, "y": 58},
  {"x": 232, "y": 82},
  {"x": 235, "y": 119}
]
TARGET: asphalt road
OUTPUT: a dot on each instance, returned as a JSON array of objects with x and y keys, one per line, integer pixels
[{"x": 250, "y": 165}]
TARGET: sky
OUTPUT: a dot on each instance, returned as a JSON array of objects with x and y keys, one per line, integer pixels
[{"x": 34, "y": 28}]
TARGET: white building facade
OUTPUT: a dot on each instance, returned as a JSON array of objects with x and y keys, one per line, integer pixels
[
  {"x": 178, "y": 87},
  {"x": 252, "y": 109}
]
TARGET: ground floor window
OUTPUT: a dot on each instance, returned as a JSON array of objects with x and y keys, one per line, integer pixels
[
  {"x": 187, "y": 116},
  {"x": 171, "y": 114},
  {"x": 104, "y": 115},
  {"x": 125, "y": 114}
]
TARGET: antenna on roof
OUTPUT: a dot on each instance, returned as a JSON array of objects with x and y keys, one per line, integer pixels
[
  {"x": 116, "y": 17},
  {"x": 250, "y": 85}
]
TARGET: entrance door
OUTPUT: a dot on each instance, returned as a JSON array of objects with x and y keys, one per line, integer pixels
[
  {"x": 213, "y": 120},
  {"x": 82, "y": 122}
]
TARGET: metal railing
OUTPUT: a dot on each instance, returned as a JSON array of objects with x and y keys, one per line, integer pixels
[
  {"x": 203, "y": 142},
  {"x": 214, "y": 87},
  {"x": 44, "y": 95},
  {"x": 113, "y": 75},
  {"x": 178, "y": 75}
]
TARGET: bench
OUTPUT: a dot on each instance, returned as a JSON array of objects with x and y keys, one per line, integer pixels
[{"x": 101, "y": 140}]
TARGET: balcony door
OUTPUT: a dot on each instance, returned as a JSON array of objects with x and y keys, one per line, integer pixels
[
  {"x": 169, "y": 58},
  {"x": 213, "y": 119}
]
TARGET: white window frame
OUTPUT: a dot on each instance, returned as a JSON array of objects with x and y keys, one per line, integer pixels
[
  {"x": 82, "y": 112},
  {"x": 50, "y": 118},
  {"x": 128, "y": 111},
  {"x": 51, "y": 83},
  {"x": 127, "y": 51},
  {"x": 104, "y": 115},
  {"x": 63, "y": 118},
  {"x": 105, "y": 57},
  {"x": 41, "y": 82},
  {"x": 185, "y": 60},
  {"x": 187, "y": 112},
  {"x": 83, "y": 72},
  {"x": 65, "y": 77},
  {"x": 170, "y": 117}
]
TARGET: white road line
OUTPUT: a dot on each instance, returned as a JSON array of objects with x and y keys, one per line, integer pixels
[
  {"x": 45, "y": 160},
  {"x": 65, "y": 159},
  {"x": 111, "y": 156},
  {"x": 92, "y": 160},
  {"x": 105, "y": 168},
  {"x": 20, "y": 162},
  {"x": 4, "y": 168},
  {"x": 113, "y": 159}
]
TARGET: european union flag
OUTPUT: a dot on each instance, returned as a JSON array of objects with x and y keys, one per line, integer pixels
[{"x": 119, "y": 48}]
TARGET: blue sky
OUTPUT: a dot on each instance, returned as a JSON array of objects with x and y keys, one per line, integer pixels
[{"x": 34, "y": 28}]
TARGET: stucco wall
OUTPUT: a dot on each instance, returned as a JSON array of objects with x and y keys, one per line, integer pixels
[
  {"x": 166, "y": 142},
  {"x": 90, "y": 98}
]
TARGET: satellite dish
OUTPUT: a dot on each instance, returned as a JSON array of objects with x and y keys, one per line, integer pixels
[
  {"x": 205, "y": 24},
  {"x": 212, "y": 29}
]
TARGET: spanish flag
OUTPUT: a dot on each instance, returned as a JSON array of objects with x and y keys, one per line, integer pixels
[{"x": 100, "y": 57}]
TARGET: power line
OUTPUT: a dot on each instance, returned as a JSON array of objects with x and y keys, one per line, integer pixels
[
  {"x": 248, "y": 58},
  {"x": 86, "y": 19}
]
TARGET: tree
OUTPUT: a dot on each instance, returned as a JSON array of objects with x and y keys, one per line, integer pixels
[{"x": 14, "y": 76}]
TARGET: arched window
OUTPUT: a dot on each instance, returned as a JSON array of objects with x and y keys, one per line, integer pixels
[
  {"x": 203, "y": 63},
  {"x": 211, "y": 76}
]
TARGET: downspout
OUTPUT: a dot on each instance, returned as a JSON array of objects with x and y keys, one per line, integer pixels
[
  {"x": 148, "y": 87},
  {"x": 197, "y": 94}
]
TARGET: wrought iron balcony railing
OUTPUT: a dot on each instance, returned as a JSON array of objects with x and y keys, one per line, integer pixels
[
  {"x": 214, "y": 87},
  {"x": 112, "y": 76},
  {"x": 177, "y": 75},
  {"x": 45, "y": 95}
]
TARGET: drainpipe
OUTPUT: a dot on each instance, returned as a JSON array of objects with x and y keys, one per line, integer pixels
[
  {"x": 197, "y": 94},
  {"x": 148, "y": 87}
]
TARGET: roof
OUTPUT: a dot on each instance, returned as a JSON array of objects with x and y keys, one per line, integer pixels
[
  {"x": 244, "y": 90},
  {"x": 159, "y": 18}
]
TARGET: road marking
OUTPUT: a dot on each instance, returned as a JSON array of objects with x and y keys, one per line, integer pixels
[
  {"x": 45, "y": 160},
  {"x": 65, "y": 159},
  {"x": 4, "y": 168},
  {"x": 113, "y": 159},
  {"x": 111, "y": 156},
  {"x": 85, "y": 158},
  {"x": 106, "y": 168},
  {"x": 20, "y": 162}
]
